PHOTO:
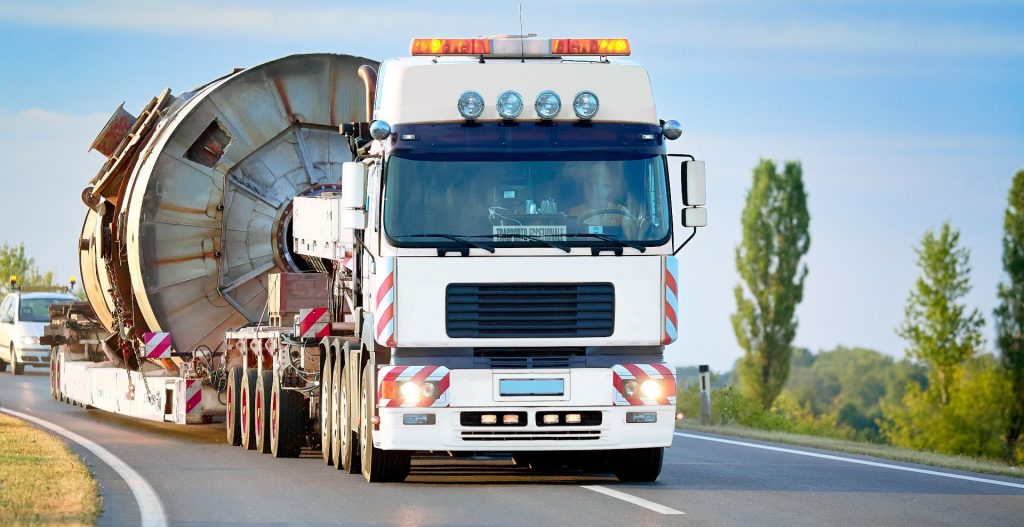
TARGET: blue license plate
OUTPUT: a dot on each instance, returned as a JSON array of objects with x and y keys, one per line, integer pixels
[{"x": 525, "y": 387}]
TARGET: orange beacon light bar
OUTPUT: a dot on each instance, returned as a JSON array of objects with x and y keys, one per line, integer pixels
[{"x": 515, "y": 47}]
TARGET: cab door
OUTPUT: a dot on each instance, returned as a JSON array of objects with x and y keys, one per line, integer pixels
[{"x": 6, "y": 327}]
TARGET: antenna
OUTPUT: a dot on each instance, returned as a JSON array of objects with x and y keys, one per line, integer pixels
[{"x": 522, "y": 43}]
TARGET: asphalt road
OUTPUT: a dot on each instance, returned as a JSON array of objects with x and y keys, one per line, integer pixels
[{"x": 202, "y": 481}]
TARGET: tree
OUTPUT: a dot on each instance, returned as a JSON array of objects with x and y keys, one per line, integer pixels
[
  {"x": 13, "y": 262},
  {"x": 939, "y": 330},
  {"x": 775, "y": 239},
  {"x": 1009, "y": 314}
]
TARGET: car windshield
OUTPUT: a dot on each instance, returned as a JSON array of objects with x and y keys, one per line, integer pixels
[
  {"x": 37, "y": 309},
  {"x": 526, "y": 202}
]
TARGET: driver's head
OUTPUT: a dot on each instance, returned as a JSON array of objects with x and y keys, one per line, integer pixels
[{"x": 600, "y": 185}]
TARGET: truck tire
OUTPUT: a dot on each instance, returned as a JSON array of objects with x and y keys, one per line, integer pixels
[
  {"x": 285, "y": 421},
  {"x": 377, "y": 465},
  {"x": 326, "y": 386},
  {"x": 17, "y": 368},
  {"x": 53, "y": 374},
  {"x": 233, "y": 414},
  {"x": 639, "y": 465},
  {"x": 337, "y": 370},
  {"x": 261, "y": 415},
  {"x": 349, "y": 449},
  {"x": 246, "y": 403}
]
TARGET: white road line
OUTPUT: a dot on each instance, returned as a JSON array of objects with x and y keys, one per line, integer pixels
[
  {"x": 149, "y": 503},
  {"x": 855, "y": 461},
  {"x": 656, "y": 507}
]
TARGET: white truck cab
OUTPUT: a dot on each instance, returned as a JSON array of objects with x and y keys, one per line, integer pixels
[
  {"x": 22, "y": 318},
  {"x": 513, "y": 224}
]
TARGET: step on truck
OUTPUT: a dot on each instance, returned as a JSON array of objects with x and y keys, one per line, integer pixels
[{"x": 468, "y": 250}]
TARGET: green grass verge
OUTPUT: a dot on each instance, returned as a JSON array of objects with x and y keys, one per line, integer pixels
[
  {"x": 41, "y": 481},
  {"x": 986, "y": 466}
]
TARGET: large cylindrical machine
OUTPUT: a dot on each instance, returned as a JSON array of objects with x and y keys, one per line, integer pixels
[{"x": 192, "y": 209}]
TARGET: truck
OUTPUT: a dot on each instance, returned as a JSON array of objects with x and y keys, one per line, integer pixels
[{"x": 471, "y": 249}]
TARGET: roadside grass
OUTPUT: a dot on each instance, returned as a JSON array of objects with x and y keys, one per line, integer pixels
[
  {"x": 986, "y": 466},
  {"x": 41, "y": 481}
]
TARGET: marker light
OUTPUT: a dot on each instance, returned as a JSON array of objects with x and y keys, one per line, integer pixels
[
  {"x": 650, "y": 389},
  {"x": 410, "y": 392},
  {"x": 550, "y": 419},
  {"x": 590, "y": 46},
  {"x": 510, "y": 104},
  {"x": 547, "y": 105},
  {"x": 380, "y": 130},
  {"x": 451, "y": 46},
  {"x": 629, "y": 388},
  {"x": 488, "y": 419},
  {"x": 573, "y": 419},
  {"x": 585, "y": 105},
  {"x": 510, "y": 419},
  {"x": 672, "y": 130},
  {"x": 471, "y": 105}
]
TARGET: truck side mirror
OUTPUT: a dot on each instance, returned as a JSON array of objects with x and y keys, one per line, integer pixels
[
  {"x": 353, "y": 195},
  {"x": 694, "y": 184}
]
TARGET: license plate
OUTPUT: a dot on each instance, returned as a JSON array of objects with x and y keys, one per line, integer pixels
[{"x": 527, "y": 387}]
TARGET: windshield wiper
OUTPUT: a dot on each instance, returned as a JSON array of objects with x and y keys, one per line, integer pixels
[
  {"x": 458, "y": 239},
  {"x": 537, "y": 239},
  {"x": 621, "y": 243}
]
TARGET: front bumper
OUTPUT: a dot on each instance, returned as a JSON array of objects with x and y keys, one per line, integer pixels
[
  {"x": 33, "y": 355},
  {"x": 447, "y": 432}
]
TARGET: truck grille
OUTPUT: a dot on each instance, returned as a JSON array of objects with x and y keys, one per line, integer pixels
[
  {"x": 529, "y": 358},
  {"x": 529, "y": 310}
]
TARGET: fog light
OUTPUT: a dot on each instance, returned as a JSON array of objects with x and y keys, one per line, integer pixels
[
  {"x": 418, "y": 419},
  {"x": 550, "y": 419},
  {"x": 650, "y": 389},
  {"x": 641, "y": 417},
  {"x": 629, "y": 388},
  {"x": 410, "y": 392},
  {"x": 510, "y": 419},
  {"x": 428, "y": 390},
  {"x": 573, "y": 419},
  {"x": 488, "y": 419}
]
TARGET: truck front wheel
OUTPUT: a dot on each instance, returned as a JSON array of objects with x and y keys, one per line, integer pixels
[
  {"x": 377, "y": 464},
  {"x": 638, "y": 465}
]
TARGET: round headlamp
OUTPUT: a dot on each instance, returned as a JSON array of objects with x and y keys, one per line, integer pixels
[
  {"x": 629, "y": 388},
  {"x": 585, "y": 105},
  {"x": 471, "y": 105},
  {"x": 510, "y": 105},
  {"x": 410, "y": 392},
  {"x": 547, "y": 105}
]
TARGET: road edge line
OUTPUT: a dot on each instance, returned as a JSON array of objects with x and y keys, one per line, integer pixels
[
  {"x": 647, "y": 504},
  {"x": 854, "y": 461},
  {"x": 150, "y": 507}
]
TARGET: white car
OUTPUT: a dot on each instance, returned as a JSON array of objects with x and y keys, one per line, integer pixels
[{"x": 22, "y": 317}]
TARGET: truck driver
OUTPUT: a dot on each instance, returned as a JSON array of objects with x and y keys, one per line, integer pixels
[{"x": 599, "y": 214}]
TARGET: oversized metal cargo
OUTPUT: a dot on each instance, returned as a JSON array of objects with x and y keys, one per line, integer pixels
[{"x": 192, "y": 209}]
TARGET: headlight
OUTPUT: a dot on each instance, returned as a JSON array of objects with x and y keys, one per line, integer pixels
[
  {"x": 471, "y": 105},
  {"x": 428, "y": 390},
  {"x": 410, "y": 392},
  {"x": 548, "y": 105},
  {"x": 585, "y": 105},
  {"x": 650, "y": 389},
  {"x": 629, "y": 388},
  {"x": 29, "y": 341},
  {"x": 510, "y": 105}
]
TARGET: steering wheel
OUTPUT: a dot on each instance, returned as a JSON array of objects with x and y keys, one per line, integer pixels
[{"x": 600, "y": 212}]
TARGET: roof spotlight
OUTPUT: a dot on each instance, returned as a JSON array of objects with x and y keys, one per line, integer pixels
[
  {"x": 547, "y": 105},
  {"x": 585, "y": 105},
  {"x": 510, "y": 105},
  {"x": 380, "y": 130},
  {"x": 471, "y": 105}
]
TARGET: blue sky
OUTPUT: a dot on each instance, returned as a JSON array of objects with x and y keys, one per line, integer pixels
[{"x": 904, "y": 114}]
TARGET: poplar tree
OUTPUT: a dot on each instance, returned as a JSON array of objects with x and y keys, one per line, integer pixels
[
  {"x": 775, "y": 239},
  {"x": 939, "y": 330},
  {"x": 1009, "y": 314}
]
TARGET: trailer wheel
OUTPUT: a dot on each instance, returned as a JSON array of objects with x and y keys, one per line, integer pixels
[
  {"x": 378, "y": 465},
  {"x": 337, "y": 442},
  {"x": 53, "y": 374},
  {"x": 638, "y": 465},
  {"x": 326, "y": 385},
  {"x": 262, "y": 414},
  {"x": 285, "y": 421},
  {"x": 349, "y": 449},
  {"x": 246, "y": 403},
  {"x": 232, "y": 417}
]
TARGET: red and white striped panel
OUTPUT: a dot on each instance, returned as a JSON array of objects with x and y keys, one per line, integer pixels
[
  {"x": 314, "y": 323},
  {"x": 384, "y": 314},
  {"x": 640, "y": 373},
  {"x": 157, "y": 345},
  {"x": 193, "y": 397},
  {"x": 419, "y": 374}
]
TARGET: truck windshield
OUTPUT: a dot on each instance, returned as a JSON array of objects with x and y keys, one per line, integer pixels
[{"x": 526, "y": 203}]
